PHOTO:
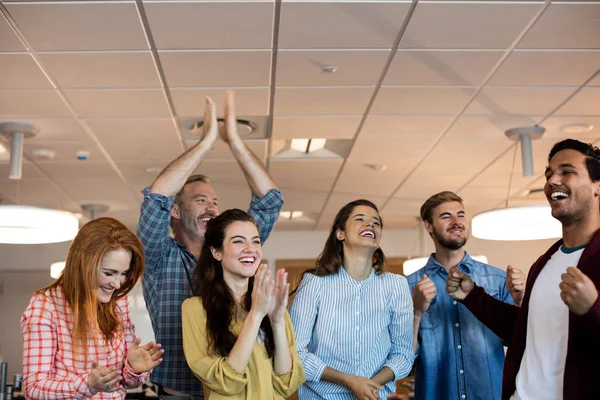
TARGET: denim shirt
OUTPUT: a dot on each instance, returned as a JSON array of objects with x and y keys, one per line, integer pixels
[{"x": 458, "y": 357}]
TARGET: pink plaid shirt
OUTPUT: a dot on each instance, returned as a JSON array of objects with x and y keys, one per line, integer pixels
[{"x": 51, "y": 369}]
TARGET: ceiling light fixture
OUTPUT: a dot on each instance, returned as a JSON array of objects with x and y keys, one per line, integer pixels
[
  {"x": 244, "y": 126},
  {"x": 308, "y": 145},
  {"x": 290, "y": 214},
  {"x": 530, "y": 222},
  {"x": 577, "y": 128}
]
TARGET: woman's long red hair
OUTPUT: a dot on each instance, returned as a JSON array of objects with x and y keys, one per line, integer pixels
[{"x": 80, "y": 278}]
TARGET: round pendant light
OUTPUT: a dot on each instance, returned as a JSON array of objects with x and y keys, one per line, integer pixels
[
  {"x": 517, "y": 223},
  {"x": 34, "y": 225}
]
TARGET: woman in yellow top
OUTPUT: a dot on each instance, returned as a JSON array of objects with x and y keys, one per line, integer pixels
[{"x": 238, "y": 338}]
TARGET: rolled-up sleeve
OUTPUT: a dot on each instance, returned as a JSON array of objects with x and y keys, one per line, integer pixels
[
  {"x": 286, "y": 384},
  {"x": 153, "y": 226},
  {"x": 265, "y": 210},
  {"x": 401, "y": 356}
]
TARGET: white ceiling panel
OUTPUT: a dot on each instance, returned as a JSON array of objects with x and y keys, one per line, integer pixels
[
  {"x": 80, "y": 26},
  {"x": 9, "y": 41},
  {"x": 29, "y": 173},
  {"x": 150, "y": 140},
  {"x": 487, "y": 127},
  {"x": 383, "y": 149},
  {"x": 362, "y": 181},
  {"x": 32, "y": 104},
  {"x": 565, "y": 26},
  {"x": 28, "y": 193},
  {"x": 556, "y": 127},
  {"x": 585, "y": 102},
  {"x": 328, "y": 127},
  {"x": 19, "y": 71},
  {"x": 322, "y": 101},
  {"x": 211, "y": 25},
  {"x": 107, "y": 190},
  {"x": 338, "y": 25},
  {"x": 102, "y": 69},
  {"x": 439, "y": 162},
  {"x": 547, "y": 68},
  {"x": 222, "y": 152},
  {"x": 441, "y": 68},
  {"x": 517, "y": 100},
  {"x": 464, "y": 25},
  {"x": 79, "y": 170},
  {"x": 307, "y": 201},
  {"x": 404, "y": 126},
  {"x": 190, "y": 102},
  {"x": 223, "y": 172},
  {"x": 353, "y": 68},
  {"x": 312, "y": 175},
  {"x": 216, "y": 68},
  {"x": 65, "y": 152},
  {"x": 147, "y": 103},
  {"x": 407, "y": 100},
  {"x": 55, "y": 130}
]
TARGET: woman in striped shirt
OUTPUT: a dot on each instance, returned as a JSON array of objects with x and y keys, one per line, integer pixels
[
  {"x": 78, "y": 339},
  {"x": 353, "y": 321}
]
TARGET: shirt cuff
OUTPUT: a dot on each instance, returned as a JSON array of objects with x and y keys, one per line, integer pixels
[
  {"x": 80, "y": 385},
  {"x": 127, "y": 369},
  {"x": 163, "y": 201},
  {"x": 272, "y": 199}
]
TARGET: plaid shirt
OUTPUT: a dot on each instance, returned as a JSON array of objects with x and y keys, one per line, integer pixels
[
  {"x": 51, "y": 369},
  {"x": 166, "y": 283}
]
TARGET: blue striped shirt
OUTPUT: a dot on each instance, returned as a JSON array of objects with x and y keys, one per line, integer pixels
[
  {"x": 354, "y": 327},
  {"x": 166, "y": 284}
]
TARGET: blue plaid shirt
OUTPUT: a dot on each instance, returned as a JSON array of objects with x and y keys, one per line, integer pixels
[
  {"x": 459, "y": 357},
  {"x": 166, "y": 283}
]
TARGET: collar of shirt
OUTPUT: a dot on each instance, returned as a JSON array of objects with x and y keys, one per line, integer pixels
[
  {"x": 347, "y": 278},
  {"x": 432, "y": 266}
]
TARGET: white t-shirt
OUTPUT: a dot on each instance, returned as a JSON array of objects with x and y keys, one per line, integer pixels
[{"x": 541, "y": 375}]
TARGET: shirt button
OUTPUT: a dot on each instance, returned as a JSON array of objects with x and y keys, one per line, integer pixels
[
  {"x": 459, "y": 347},
  {"x": 454, "y": 302},
  {"x": 358, "y": 312},
  {"x": 461, "y": 371},
  {"x": 457, "y": 324},
  {"x": 357, "y": 328},
  {"x": 463, "y": 396}
]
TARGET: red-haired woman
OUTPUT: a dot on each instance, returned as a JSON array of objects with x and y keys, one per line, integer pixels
[{"x": 78, "y": 340}]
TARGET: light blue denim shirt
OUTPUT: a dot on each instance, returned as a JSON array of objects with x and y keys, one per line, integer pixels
[{"x": 458, "y": 357}]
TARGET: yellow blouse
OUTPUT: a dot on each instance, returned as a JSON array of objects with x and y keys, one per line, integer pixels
[{"x": 219, "y": 379}]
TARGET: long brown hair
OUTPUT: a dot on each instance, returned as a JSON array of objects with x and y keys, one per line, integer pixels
[
  {"x": 79, "y": 280},
  {"x": 332, "y": 257},
  {"x": 217, "y": 298}
]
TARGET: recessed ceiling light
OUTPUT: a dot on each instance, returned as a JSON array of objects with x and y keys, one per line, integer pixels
[
  {"x": 308, "y": 145},
  {"x": 577, "y": 128},
  {"x": 290, "y": 214},
  {"x": 376, "y": 167}
]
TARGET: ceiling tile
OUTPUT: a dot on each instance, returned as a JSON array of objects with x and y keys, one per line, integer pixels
[
  {"x": 421, "y": 185},
  {"x": 354, "y": 68},
  {"x": 223, "y": 172},
  {"x": 236, "y": 25},
  {"x": 9, "y": 41},
  {"x": 222, "y": 152},
  {"x": 77, "y": 26},
  {"x": 363, "y": 181},
  {"x": 248, "y": 102},
  {"x": 79, "y": 170},
  {"x": 27, "y": 192},
  {"x": 311, "y": 175},
  {"x": 29, "y": 173},
  {"x": 407, "y": 100},
  {"x": 118, "y": 103},
  {"x": 520, "y": 101},
  {"x": 322, "y": 101},
  {"x": 307, "y": 201},
  {"x": 32, "y": 104},
  {"x": 441, "y": 68},
  {"x": 340, "y": 25},
  {"x": 102, "y": 70},
  {"x": 107, "y": 190},
  {"x": 404, "y": 126},
  {"x": 65, "y": 151},
  {"x": 219, "y": 68},
  {"x": 555, "y": 124},
  {"x": 585, "y": 102},
  {"x": 547, "y": 68},
  {"x": 565, "y": 26},
  {"x": 467, "y": 25},
  {"x": 484, "y": 127},
  {"x": 52, "y": 130},
  {"x": 328, "y": 127},
  {"x": 19, "y": 71},
  {"x": 148, "y": 140},
  {"x": 372, "y": 149}
]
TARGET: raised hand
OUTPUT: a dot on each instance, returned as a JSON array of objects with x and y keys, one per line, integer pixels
[
  {"x": 364, "y": 388},
  {"x": 422, "y": 294},
  {"x": 263, "y": 301},
  {"x": 104, "y": 379},
  {"x": 281, "y": 292},
  {"x": 144, "y": 358},
  {"x": 515, "y": 283},
  {"x": 230, "y": 132},
  {"x": 458, "y": 284},
  {"x": 577, "y": 291},
  {"x": 210, "y": 127}
]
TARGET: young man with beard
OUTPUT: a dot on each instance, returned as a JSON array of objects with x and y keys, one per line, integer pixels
[
  {"x": 554, "y": 344},
  {"x": 186, "y": 203},
  {"x": 457, "y": 356}
]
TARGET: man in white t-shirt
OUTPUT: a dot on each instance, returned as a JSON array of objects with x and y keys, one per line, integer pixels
[{"x": 554, "y": 338}]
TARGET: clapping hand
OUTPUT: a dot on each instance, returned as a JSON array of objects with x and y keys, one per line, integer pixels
[
  {"x": 280, "y": 296},
  {"x": 104, "y": 379},
  {"x": 144, "y": 358}
]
